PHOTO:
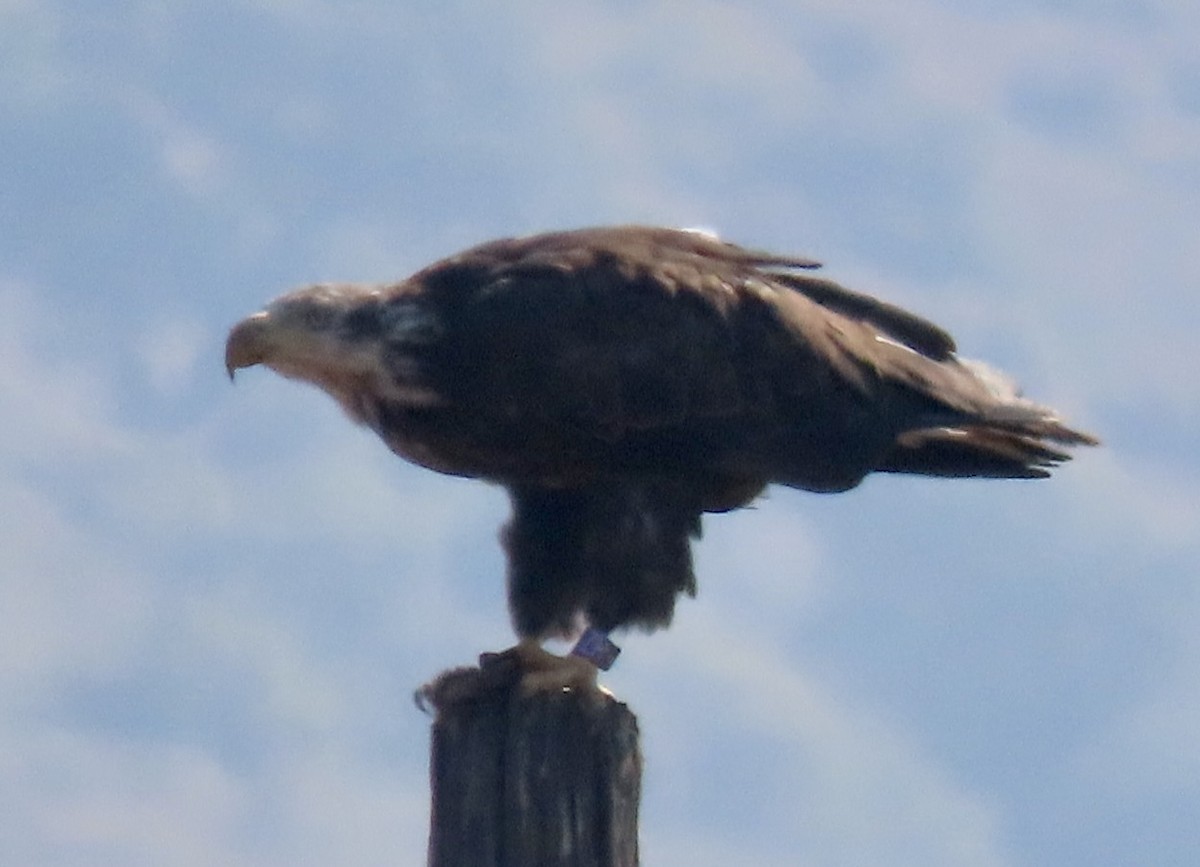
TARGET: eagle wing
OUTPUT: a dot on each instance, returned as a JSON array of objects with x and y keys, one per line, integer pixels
[
  {"x": 580, "y": 344},
  {"x": 629, "y": 329}
]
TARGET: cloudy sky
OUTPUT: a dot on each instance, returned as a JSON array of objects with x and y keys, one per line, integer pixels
[{"x": 215, "y": 602}]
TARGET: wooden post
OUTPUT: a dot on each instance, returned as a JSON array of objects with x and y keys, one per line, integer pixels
[{"x": 550, "y": 779}]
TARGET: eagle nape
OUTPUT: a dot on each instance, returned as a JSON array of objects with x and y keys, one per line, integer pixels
[{"x": 623, "y": 382}]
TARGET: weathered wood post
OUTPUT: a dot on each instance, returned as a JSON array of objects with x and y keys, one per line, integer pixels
[{"x": 550, "y": 779}]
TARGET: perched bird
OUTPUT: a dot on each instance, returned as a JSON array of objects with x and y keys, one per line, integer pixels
[{"x": 621, "y": 382}]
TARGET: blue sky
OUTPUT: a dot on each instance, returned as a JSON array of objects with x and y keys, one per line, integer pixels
[{"x": 216, "y": 601}]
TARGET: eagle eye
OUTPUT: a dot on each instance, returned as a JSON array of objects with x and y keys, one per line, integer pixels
[{"x": 316, "y": 315}]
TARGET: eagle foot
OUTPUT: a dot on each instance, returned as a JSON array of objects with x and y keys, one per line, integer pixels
[
  {"x": 542, "y": 671},
  {"x": 526, "y": 667}
]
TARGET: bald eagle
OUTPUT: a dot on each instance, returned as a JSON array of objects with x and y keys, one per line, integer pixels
[{"x": 622, "y": 382}]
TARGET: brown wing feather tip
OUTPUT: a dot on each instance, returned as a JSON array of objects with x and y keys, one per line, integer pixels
[
  {"x": 766, "y": 260},
  {"x": 1070, "y": 436},
  {"x": 980, "y": 451},
  {"x": 1036, "y": 421},
  {"x": 908, "y": 328}
]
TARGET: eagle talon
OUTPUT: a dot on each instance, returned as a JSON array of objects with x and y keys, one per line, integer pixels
[{"x": 543, "y": 671}]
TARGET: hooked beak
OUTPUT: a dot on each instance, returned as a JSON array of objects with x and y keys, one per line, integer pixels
[{"x": 246, "y": 344}]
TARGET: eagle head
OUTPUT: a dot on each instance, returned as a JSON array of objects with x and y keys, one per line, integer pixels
[
  {"x": 349, "y": 339},
  {"x": 300, "y": 333}
]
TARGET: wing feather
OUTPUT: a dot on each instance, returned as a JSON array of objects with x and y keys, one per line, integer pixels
[{"x": 604, "y": 334}]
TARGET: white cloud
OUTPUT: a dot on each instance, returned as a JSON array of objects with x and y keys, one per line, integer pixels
[
  {"x": 294, "y": 689},
  {"x": 74, "y": 605},
  {"x": 52, "y": 403},
  {"x": 192, "y": 159},
  {"x": 1139, "y": 497},
  {"x": 81, "y": 799},
  {"x": 73, "y": 798},
  {"x": 341, "y": 811},
  {"x": 1149, "y": 751},
  {"x": 785, "y": 567},
  {"x": 842, "y": 786},
  {"x": 170, "y": 351},
  {"x": 74, "y": 601}
]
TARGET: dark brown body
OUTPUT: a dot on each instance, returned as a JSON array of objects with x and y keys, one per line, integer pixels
[{"x": 621, "y": 382}]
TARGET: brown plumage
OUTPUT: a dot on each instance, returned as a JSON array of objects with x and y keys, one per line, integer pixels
[{"x": 620, "y": 382}]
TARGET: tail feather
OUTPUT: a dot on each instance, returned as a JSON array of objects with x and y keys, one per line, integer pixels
[
  {"x": 983, "y": 451},
  {"x": 980, "y": 424},
  {"x": 1012, "y": 411}
]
